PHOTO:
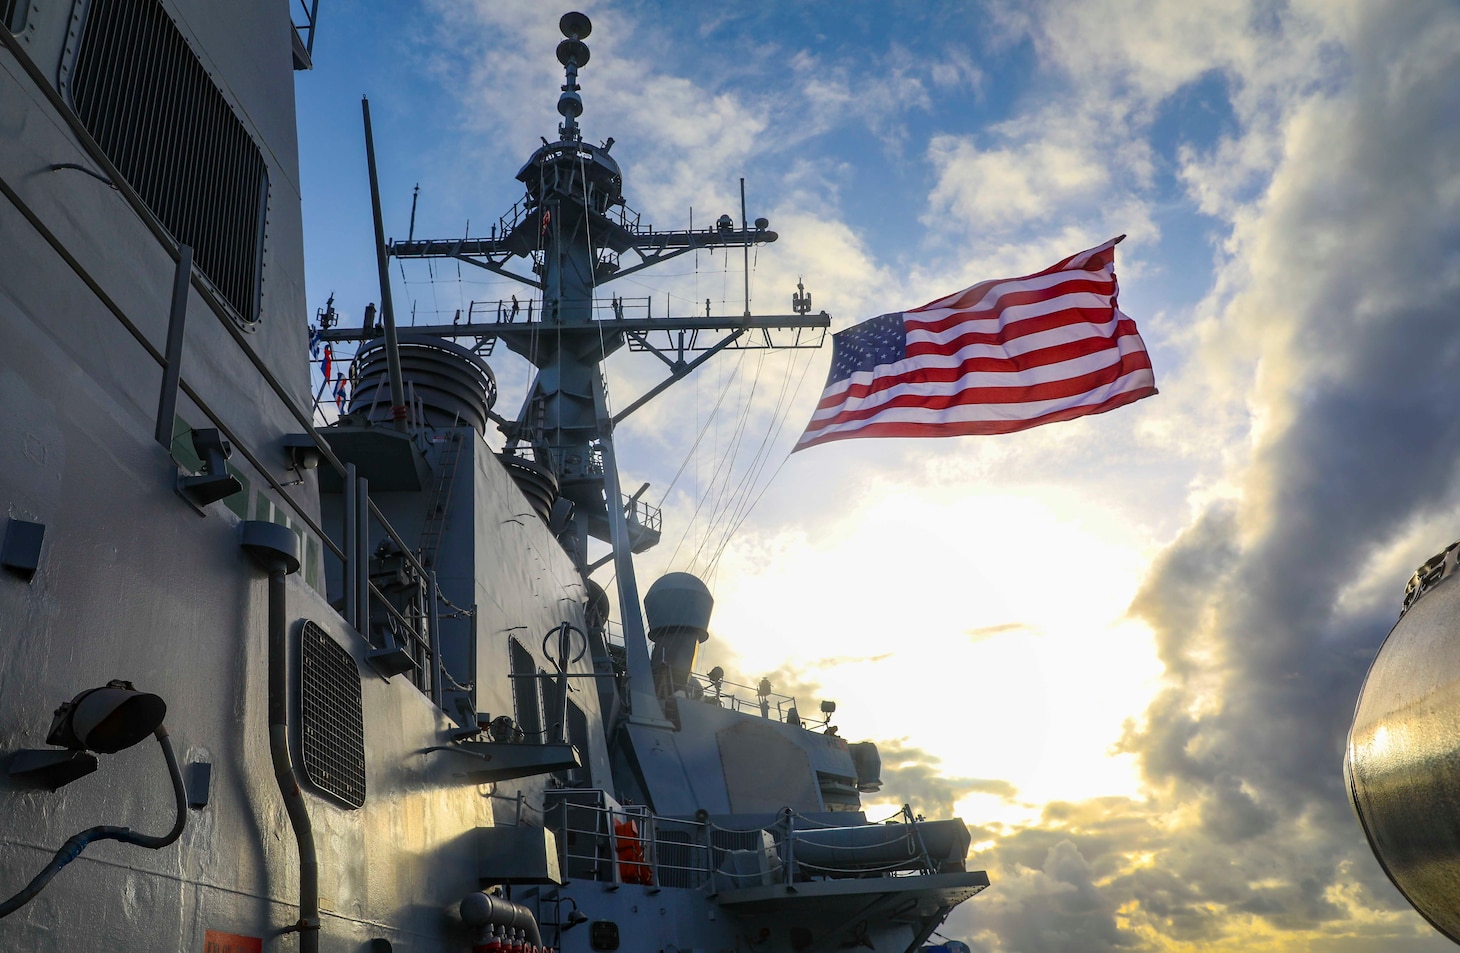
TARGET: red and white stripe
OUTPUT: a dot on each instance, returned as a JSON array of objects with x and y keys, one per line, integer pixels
[{"x": 999, "y": 357}]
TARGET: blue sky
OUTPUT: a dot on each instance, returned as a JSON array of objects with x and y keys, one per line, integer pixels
[{"x": 1126, "y": 647}]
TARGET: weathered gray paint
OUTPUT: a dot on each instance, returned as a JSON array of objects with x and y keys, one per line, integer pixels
[{"x": 134, "y": 583}]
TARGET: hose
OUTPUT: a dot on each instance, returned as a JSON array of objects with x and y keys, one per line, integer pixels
[{"x": 72, "y": 848}]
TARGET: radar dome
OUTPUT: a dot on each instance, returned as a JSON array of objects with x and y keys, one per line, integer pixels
[{"x": 678, "y": 603}]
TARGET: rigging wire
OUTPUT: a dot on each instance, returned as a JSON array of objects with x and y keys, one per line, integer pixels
[
  {"x": 754, "y": 468},
  {"x": 737, "y": 438},
  {"x": 736, "y": 499},
  {"x": 750, "y": 509},
  {"x": 714, "y": 414}
]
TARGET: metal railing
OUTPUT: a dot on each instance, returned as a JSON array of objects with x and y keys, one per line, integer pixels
[
  {"x": 737, "y": 697},
  {"x": 631, "y": 845},
  {"x": 353, "y": 552}
]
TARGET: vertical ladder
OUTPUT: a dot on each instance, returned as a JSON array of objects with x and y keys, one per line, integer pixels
[{"x": 435, "y": 523}]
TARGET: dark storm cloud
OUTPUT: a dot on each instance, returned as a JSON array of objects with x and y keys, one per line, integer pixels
[
  {"x": 912, "y": 776},
  {"x": 1342, "y": 288},
  {"x": 1355, "y": 256},
  {"x": 1051, "y": 882},
  {"x": 1056, "y": 908}
]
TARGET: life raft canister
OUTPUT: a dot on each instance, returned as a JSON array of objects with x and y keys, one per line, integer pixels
[{"x": 631, "y": 866}]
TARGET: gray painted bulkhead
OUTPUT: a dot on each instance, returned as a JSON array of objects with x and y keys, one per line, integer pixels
[
  {"x": 134, "y": 584},
  {"x": 496, "y": 560}
]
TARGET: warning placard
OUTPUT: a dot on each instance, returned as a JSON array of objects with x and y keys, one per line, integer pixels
[{"x": 216, "y": 942}]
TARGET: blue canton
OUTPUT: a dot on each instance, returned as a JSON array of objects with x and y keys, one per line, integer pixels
[{"x": 877, "y": 341}]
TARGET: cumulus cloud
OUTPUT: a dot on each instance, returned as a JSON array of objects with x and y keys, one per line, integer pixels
[
  {"x": 1067, "y": 882},
  {"x": 1055, "y": 906},
  {"x": 1015, "y": 183},
  {"x": 1335, "y": 302},
  {"x": 1327, "y": 342},
  {"x": 912, "y": 776}
]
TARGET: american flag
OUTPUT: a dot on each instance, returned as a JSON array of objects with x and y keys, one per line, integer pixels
[{"x": 1001, "y": 356}]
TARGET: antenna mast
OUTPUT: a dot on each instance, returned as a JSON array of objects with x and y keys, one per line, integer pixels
[{"x": 575, "y": 228}]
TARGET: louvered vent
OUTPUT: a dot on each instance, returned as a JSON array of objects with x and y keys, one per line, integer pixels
[
  {"x": 151, "y": 106},
  {"x": 332, "y": 728}
]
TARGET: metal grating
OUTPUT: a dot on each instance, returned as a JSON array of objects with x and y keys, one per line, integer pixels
[
  {"x": 143, "y": 95},
  {"x": 332, "y": 727}
]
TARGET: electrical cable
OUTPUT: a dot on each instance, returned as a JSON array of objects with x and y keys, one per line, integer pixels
[{"x": 75, "y": 845}]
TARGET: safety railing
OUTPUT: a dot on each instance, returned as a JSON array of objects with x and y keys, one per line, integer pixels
[
  {"x": 631, "y": 845},
  {"x": 353, "y": 550},
  {"x": 528, "y": 309},
  {"x": 760, "y": 700}
]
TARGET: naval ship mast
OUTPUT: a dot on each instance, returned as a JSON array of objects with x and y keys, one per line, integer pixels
[{"x": 574, "y": 226}]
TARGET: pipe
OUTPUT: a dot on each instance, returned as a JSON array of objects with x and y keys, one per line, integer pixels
[
  {"x": 484, "y": 910},
  {"x": 361, "y": 556},
  {"x": 382, "y": 264},
  {"x": 75, "y": 845},
  {"x": 172, "y": 366},
  {"x": 308, "y": 925},
  {"x": 433, "y": 619},
  {"x": 347, "y": 562}
]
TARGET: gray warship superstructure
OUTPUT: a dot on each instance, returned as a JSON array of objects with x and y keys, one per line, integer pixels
[{"x": 273, "y": 682}]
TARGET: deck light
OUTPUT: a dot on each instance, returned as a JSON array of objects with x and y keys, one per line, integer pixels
[
  {"x": 107, "y": 719},
  {"x": 214, "y": 482},
  {"x": 304, "y": 453}
]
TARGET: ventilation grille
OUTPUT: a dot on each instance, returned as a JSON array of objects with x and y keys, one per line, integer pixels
[
  {"x": 147, "y": 101},
  {"x": 332, "y": 730}
]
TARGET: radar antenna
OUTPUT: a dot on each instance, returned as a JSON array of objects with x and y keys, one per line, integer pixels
[
  {"x": 572, "y": 53},
  {"x": 573, "y": 229}
]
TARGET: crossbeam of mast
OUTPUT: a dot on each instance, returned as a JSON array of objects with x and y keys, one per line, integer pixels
[
  {"x": 652, "y": 247},
  {"x": 629, "y": 326}
]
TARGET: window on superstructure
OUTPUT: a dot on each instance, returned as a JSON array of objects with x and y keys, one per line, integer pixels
[
  {"x": 12, "y": 14},
  {"x": 142, "y": 93},
  {"x": 526, "y": 693}
]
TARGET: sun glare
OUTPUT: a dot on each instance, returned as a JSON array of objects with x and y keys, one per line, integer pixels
[{"x": 987, "y": 629}]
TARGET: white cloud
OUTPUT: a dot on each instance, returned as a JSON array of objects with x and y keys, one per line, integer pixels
[{"x": 1015, "y": 185}]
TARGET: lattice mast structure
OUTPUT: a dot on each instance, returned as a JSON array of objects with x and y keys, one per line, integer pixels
[{"x": 574, "y": 226}]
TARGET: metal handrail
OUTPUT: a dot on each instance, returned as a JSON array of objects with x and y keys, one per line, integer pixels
[
  {"x": 224, "y": 314},
  {"x": 603, "y": 843}
]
